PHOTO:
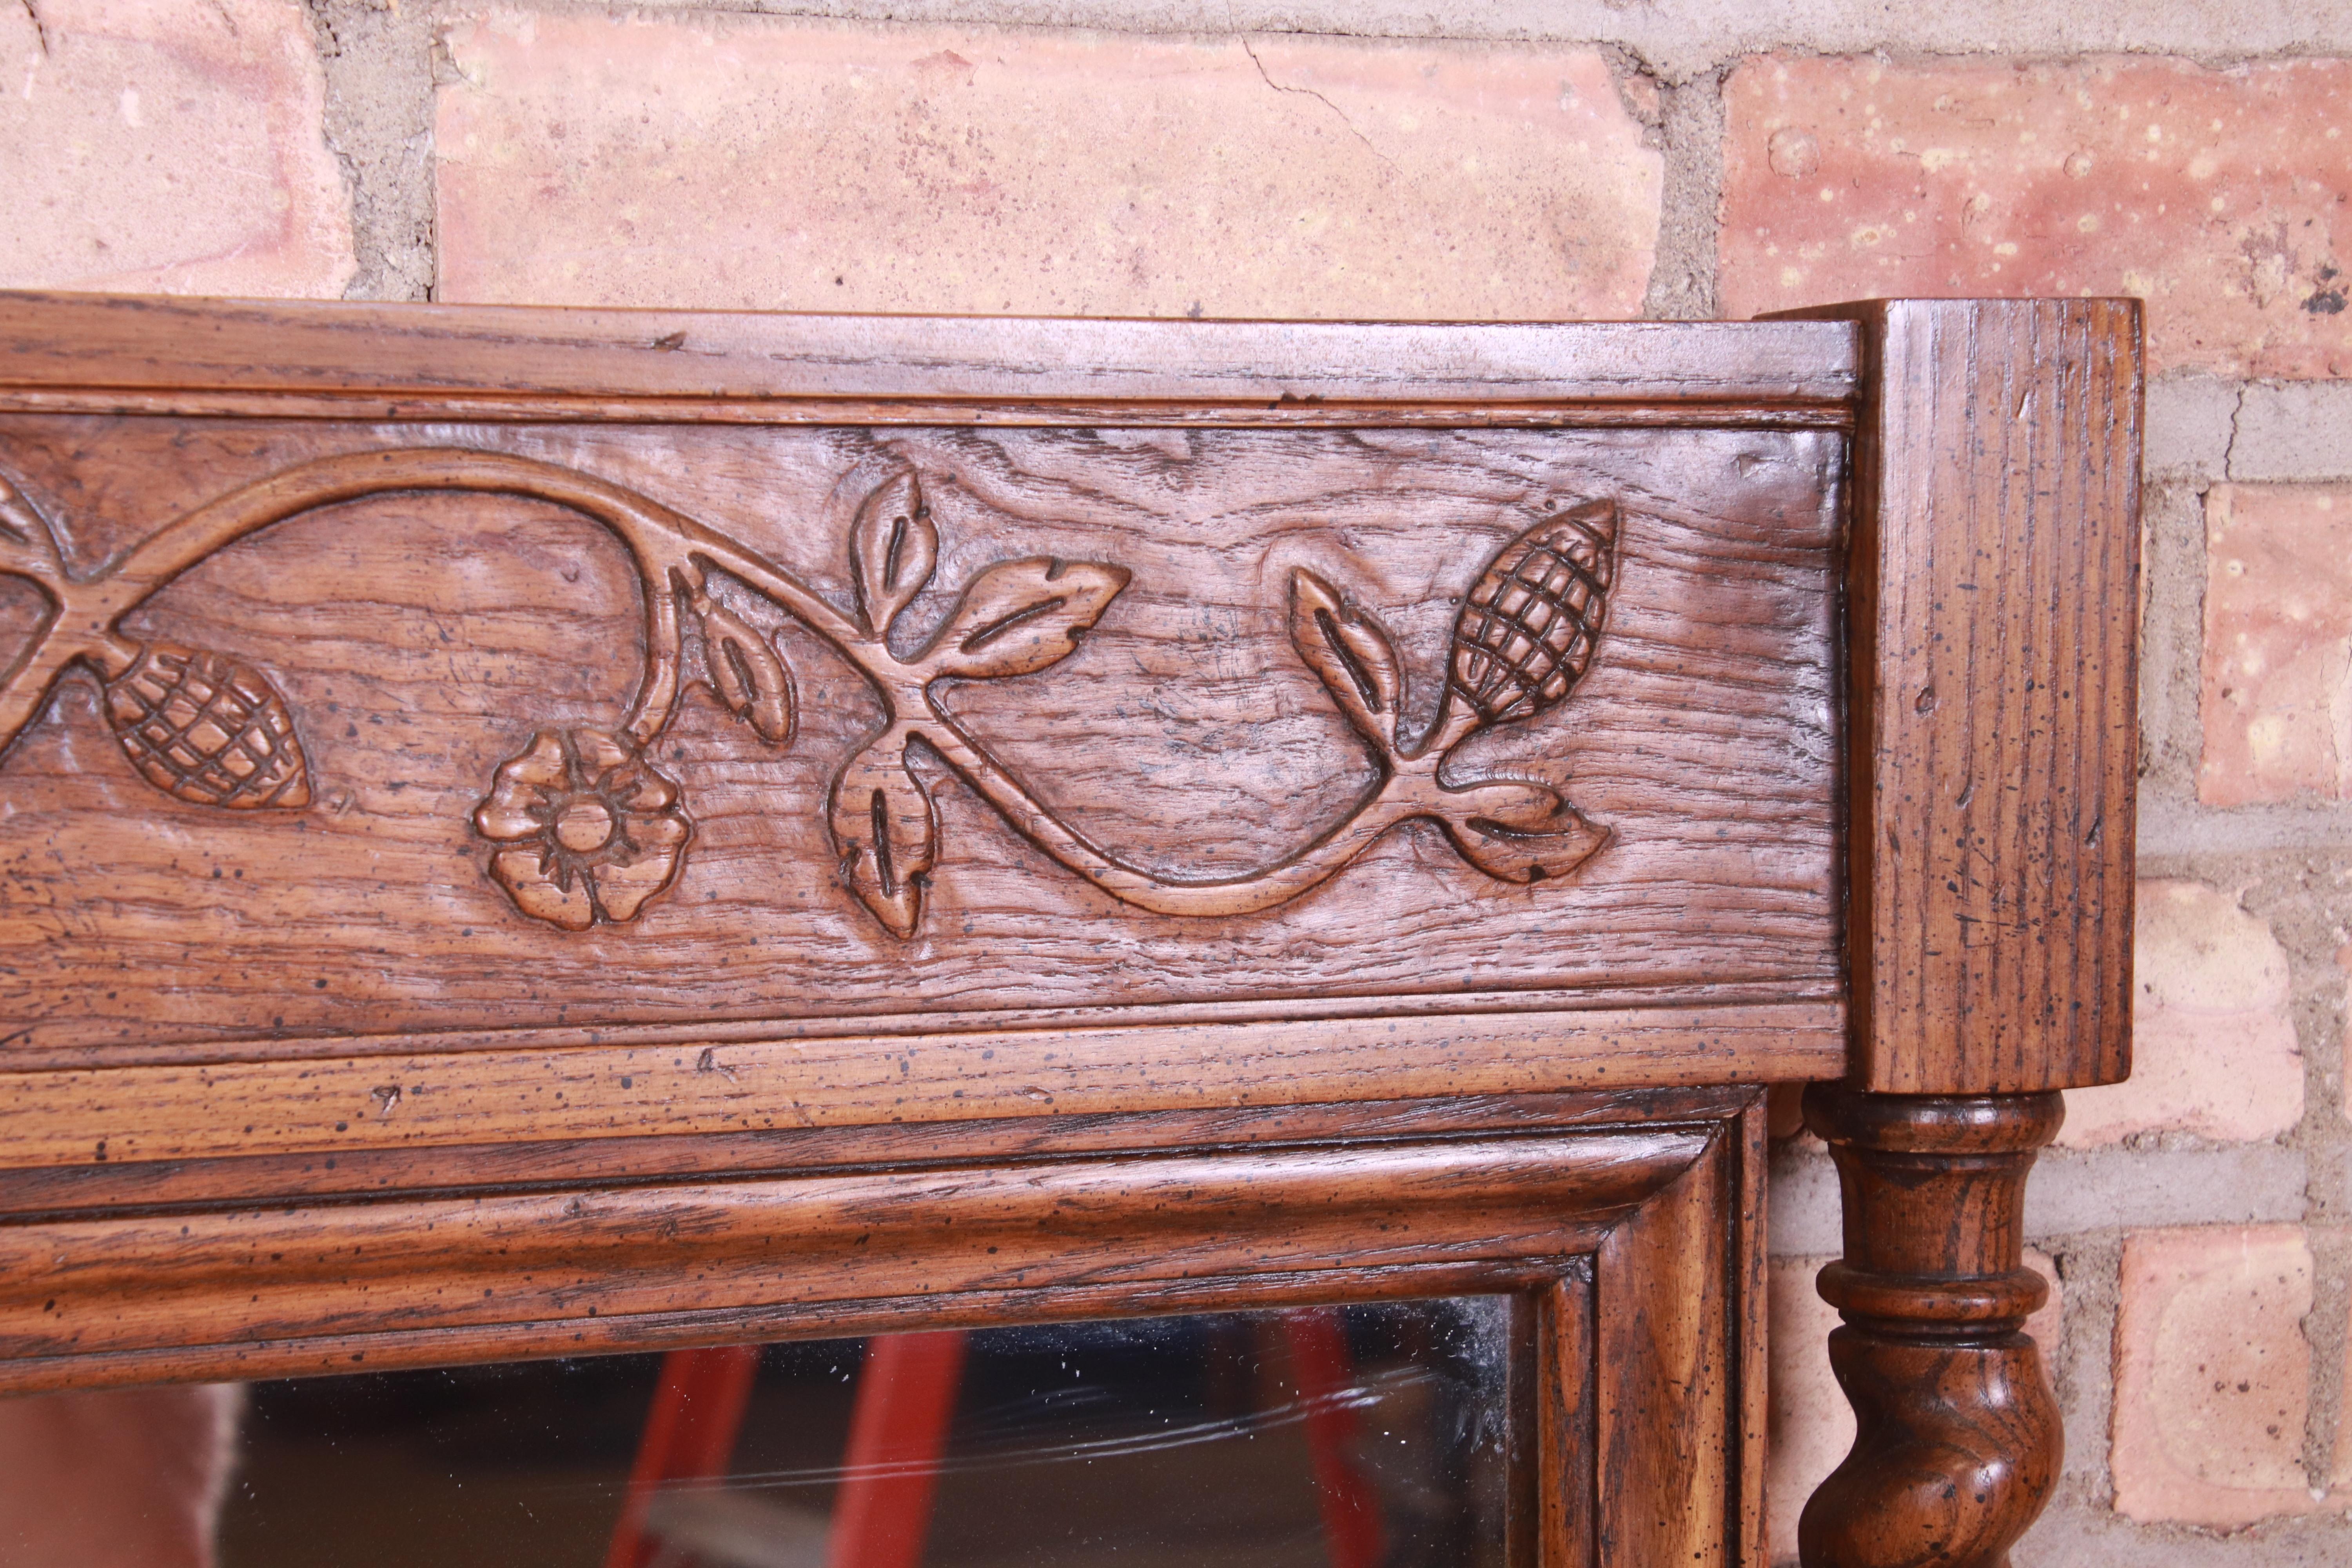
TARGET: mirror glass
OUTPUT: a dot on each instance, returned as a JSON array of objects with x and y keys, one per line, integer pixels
[{"x": 1360, "y": 1437}]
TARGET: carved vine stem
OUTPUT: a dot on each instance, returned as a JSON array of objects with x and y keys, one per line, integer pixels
[{"x": 209, "y": 729}]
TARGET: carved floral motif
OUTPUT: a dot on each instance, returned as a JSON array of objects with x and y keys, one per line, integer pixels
[
  {"x": 583, "y": 829},
  {"x": 1015, "y": 617}
]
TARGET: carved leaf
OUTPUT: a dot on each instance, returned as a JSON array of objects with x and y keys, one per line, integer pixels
[
  {"x": 27, "y": 547},
  {"x": 893, "y": 546},
  {"x": 745, "y": 672},
  {"x": 207, "y": 729},
  {"x": 1021, "y": 616},
  {"x": 1528, "y": 629},
  {"x": 887, "y": 834},
  {"x": 1521, "y": 832},
  {"x": 1349, "y": 653}
]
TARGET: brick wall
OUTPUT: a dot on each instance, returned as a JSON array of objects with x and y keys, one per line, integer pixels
[{"x": 1561, "y": 158}]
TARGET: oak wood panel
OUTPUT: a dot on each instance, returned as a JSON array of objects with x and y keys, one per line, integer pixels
[
  {"x": 421, "y": 638},
  {"x": 96, "y": 1116},
  {"x": 1564, "y": 1353},
  {"x": 97, "y": 1285},
  {"x": 1669, "y": 1281},
  {"x": 441, "y": 579},
  {"x": 576, "y": 1334},
  {"x": 1995, "y": 592},
  {"x": 79, "y": 341},
  {"x": 1138, "y": 413},
  {"x": 243, "y": 1178}
]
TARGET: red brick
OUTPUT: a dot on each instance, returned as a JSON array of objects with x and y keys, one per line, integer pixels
[
  {"x": 177, "y": 146},
  {"x": 2278, "y": 703},
  {"x": 2212, "y": 1375},
  {"x": 757, "y": 162},
  {"x": 1810, "y": 1425},
  {"x": 121, "y": 1476},
  {"x": 2217, "y": 196},
  {"x": 2214, "y": 1044}
]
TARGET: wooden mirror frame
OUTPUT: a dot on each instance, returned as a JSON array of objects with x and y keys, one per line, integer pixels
[{"x": 1987, "y": 613}]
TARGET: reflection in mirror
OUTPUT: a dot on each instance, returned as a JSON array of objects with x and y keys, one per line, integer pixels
[{"x": 1362, "y": 1437}]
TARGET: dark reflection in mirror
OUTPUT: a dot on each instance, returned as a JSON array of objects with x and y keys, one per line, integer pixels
[{"x": 1362, "y": 1437}]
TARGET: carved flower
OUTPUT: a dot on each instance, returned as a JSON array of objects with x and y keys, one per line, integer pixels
[{"x": 587, "y": 830}]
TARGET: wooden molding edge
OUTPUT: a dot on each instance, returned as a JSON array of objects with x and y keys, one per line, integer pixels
[
  {"x": 1635, "y": 1250},
  {"x": 313, "y": 348},
  {"x": 84, "y": 1117}
]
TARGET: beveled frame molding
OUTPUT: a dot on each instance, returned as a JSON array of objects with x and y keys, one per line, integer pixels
[{"x": 1633, "y": 1245}]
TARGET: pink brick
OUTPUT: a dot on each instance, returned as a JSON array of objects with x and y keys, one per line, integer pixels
[
  {"x": 2212, "y": 1375},
  {"x": 2217, "y": 196},
  {"x": 168, "y": 145},
  {"x": 2278, "y": 624},
  {"x": 2214, "y": 1044},
  {"x": 1810, "y": 1425},
  {"x": 760, "y": 162}
]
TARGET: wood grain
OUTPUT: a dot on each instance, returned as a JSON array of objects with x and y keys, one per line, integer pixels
[
  {"x": 994, "y": 413},
  {"x": 91, "y": 1115},
  {"x": 1958, "y": 1441},
  {"x": 1750, "y": 1398},
  {"x": 1567, "y": 1219},
  {"x": 1995, "y": 593},
  {"x": 576, "y": 1332},
  {"x": 98, "y": 1284},
  {"x": 1668, "y": 1288},
  {"x": 101, "y": 1284},
  {"x": 79, "y": 340},
  {"x": 1564, "y": 1366},
  {"x": 420, "y": 640},
  {"x": 243, "y": 1178},
  {"x": 1011, "y": 782}
]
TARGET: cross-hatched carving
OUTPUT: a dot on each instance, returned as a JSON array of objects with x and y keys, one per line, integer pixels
[
  {"x": 207, "y": 729},
  {"x": 1528, "y": 628}
]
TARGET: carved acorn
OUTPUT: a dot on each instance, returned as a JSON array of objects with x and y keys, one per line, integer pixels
[
  {"x": 1525, "y": 636},
  {"x": 1527, "y": 632},
  {"x": 207, "y": 729}
]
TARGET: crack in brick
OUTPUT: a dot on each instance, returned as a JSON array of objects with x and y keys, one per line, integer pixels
[
  {"x": 1309, "y": 92},
  {"x": 41, "y": 29},
  {"x": 2230, "y": 450}
]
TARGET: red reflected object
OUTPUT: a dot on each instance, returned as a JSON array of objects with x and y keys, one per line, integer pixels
[
  {"x": 899, "y": 1428},
  {"x": 906, "y": 1396},
  {"x": 1324, "y": 1371},
  {"x": 690, "y": 1433}
]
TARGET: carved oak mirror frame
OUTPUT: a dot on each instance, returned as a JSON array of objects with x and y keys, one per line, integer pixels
[{"x": 1017, "y": 820}]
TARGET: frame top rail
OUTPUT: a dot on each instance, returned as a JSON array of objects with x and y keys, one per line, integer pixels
[{"x": 66, "y": 341}]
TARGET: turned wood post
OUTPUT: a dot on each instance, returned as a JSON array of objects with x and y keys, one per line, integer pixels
[
  {"x": 1958, "y": 1441},
  {"x": 1992, "y": 592}
]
